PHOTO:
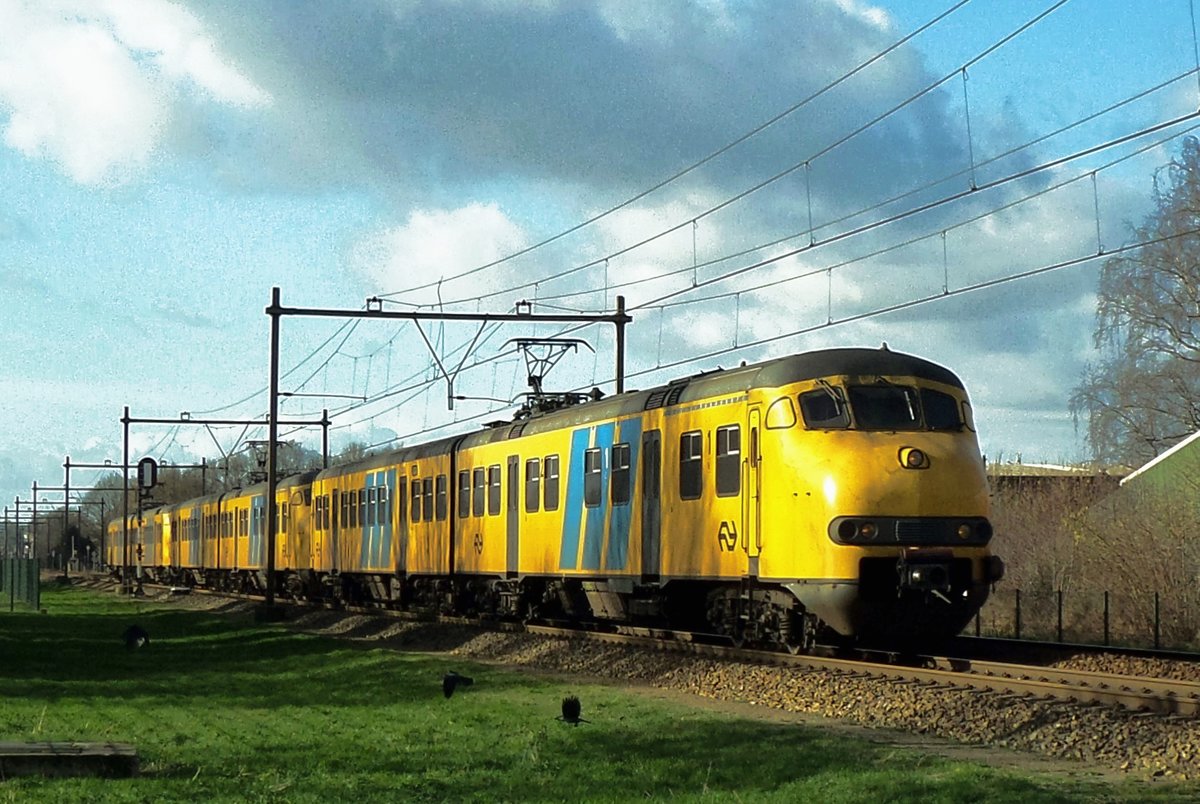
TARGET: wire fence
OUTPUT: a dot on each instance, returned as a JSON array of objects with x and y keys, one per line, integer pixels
[
  {"x": 1138, "y": 619},
  {"x": 19, "y": 582}
]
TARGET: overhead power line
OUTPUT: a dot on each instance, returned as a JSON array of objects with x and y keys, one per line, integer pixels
[{"x": 700, "y": 163}]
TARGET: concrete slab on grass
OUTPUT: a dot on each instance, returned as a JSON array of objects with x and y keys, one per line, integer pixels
[{"x": 67, "y": 759}]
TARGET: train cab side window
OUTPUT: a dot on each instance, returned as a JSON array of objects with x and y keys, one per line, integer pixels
[
  {"x": 941, "y": 410},
  {"x": 318, "y": 511},
  {"x": 385, "y": 513},
  {"x": 550, "y": 495},
  {"x": 439, "y": 505},
  {"x": 592, "y": 471},
  {"x": 533, "y": 485},
  {"x": 620, "y": 482},
  {"x": 372, "y": 507},
  {"x": 781, "y": 414},
  {"x": 729, "y": 460},
  {"x": 415, "y": 501},
  {"x": 464, "y": 493},
  {"x": 824, "y": 409},
  {"x": 691, "y": 465},
  {"x": 968, "y": 416},
  {"x": 427, "y": 499},
  {"x": 494, "y": 490},
  {"x": 362, "y": 507},
  {"x": 479, "y": 486}
]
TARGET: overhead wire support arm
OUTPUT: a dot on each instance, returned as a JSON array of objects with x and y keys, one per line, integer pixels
[{"x": 374, "y": 309}]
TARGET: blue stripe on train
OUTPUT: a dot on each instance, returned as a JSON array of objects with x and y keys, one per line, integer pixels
[
  {"x": 619, "y": 523},
  {"x": 594, "y": 536},
  {"x": 573, "y": 510},
  {"x": 258, "y": 524}
]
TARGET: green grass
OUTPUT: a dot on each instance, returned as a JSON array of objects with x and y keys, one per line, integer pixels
[{"x": 222, "y": 709}]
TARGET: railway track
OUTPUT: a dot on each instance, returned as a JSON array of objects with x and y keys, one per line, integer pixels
[
  {"x": 1139, "y": 694},
  {"x": 1134, "y": 693}
]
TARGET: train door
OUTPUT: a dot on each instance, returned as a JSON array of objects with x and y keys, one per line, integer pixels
[
  {"x": 335, "y": 526},
  {"x": 514, "y": 514},
  {"x": 651, "y": 503},
  {"x": 751, "y": 497}
]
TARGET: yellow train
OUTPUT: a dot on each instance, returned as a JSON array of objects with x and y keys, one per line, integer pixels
[{"x": 836, "y": 492}]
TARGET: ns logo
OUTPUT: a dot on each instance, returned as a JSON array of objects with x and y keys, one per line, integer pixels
[{"x": 727, "y": 536}]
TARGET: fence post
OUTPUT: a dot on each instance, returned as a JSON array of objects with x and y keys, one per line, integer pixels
[
  {"x": 1157, "y": 622},
  {"x": 1017, "y": 617},
  {"x": 1106, "y": 617},
  {"x": 1060, "y": 628}
]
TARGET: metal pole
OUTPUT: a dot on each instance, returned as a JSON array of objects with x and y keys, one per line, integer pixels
[
  {"x": 1018, "y": 616},
  {"x": 1157, "y": 622},
  {"x": 325, "y": 437},
  {"x": 34, "y": 527},
  {"x": 126, "y": 587},
  {"x": 1060, "y": 627},
  {"x": 203, "y": 474},
  {"x": 66, "y": 506},
  {"x": 1106, "y": 635},
  {"x": 103, "y": 535},
  {"x": 272, "y": 435},
  {"x": 620, "y": 322}
]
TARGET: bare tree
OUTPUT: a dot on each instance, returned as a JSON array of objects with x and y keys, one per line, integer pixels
[{"x": 1143, "y": 395}]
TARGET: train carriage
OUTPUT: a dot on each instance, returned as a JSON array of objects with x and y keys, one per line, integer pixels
[{"x": 837, "y": 493}]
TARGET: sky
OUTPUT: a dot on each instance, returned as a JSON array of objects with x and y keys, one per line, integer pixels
[{"x": 166, "y": 164}]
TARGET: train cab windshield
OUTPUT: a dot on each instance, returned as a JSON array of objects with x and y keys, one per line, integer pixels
[{"x": 880, "y": 406}]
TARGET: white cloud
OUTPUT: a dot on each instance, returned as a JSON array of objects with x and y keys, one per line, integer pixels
[
  {"x": 872, "y": 15},
  {"x": 433, "y": 244},
  {"x": 91, "y": 87}
]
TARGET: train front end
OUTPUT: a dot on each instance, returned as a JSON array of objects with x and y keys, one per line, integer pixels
[{"x": 881, "y": 501}]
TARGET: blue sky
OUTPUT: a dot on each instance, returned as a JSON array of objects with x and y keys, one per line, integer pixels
[{"x": 166, "y": 163}]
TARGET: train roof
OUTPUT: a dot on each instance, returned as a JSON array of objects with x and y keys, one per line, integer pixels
[{"x": 768, "y": 374}]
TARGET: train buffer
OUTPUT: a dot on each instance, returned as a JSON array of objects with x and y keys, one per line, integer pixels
[{"x": 110, "y": 760}]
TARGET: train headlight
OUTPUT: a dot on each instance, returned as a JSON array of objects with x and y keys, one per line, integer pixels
[
  {"x": 851, "y": 530},
  {"x": 964, "y": 531},
  {"x": 913, "y": 458}
]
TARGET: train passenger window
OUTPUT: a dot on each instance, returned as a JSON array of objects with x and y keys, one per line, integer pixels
[
  {"x": 415, "y": 502},
  {"x": 729, "y": 460},
  {"x": 781, "y": 414},
  {"x": 550, "y": 494},
  {"x": 283, "y": 528},
  {"x": 941, "y": 410},
  {"x": 592, "y": 472},
  {"x": 440, "y": 498},
  {"x": 691, "y": 465},
  {"x": 385, "y": 513},
  {"x": 885, "y": 407},
  {"x": 362, "y": 507},
  {"x": 533, "y": 485},
  {"x": 427, "y": 499},
  {"x": 372, "y": 505},
  {"x": 494, "y": 490},
  {"x": 478, "y": 486},
  {"x": 318, "y": 511},
  {"x": 824, "y": 409},
  {"x": 620, "y": 484},
  {"x": 464, "y": 494}
]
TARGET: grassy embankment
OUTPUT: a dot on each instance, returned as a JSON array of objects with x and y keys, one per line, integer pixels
[{"x": 223, "y": 709}]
